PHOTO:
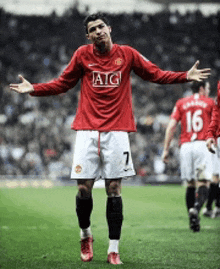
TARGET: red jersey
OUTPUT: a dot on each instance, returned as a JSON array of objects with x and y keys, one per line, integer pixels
[
  {"x": 194, "y": 114},
  {"x": 214, "y": 127},
  {"x": 105, "y": 102}
]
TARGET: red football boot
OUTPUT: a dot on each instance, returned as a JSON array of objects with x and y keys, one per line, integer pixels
[
  {"x": 114, "y": 258},
  {"x": 87, "y": 249}
]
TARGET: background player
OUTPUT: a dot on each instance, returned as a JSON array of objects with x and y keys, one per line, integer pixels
[
  {"x": 214, "y": 185},
  {"x": 194, "y": 113},
  {"x": 214, "y": 191},
  {"x": 213, "y": 140},
  {"x": 103, "y": 119}
]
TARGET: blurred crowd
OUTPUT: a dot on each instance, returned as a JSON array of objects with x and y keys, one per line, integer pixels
[{"x": 35, "y": 134}]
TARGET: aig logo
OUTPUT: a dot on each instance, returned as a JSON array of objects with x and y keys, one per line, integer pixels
[{"x": 106, "y": 79}]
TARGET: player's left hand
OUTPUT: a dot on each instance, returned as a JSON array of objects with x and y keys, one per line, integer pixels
[
  {"x": 211, "y": 144},
  {"x": 165, "y": 156},
  {"x": 195, "y": 74}
]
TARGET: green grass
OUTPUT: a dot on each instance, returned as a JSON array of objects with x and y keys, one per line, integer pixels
[{"x": 39, "y": 229}]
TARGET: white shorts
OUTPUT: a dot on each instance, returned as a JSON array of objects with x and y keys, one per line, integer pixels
[
  {"x": 216, "y": 159},
  {"x": 195, "y": 161},
  {"x": 101, "y": 154}
]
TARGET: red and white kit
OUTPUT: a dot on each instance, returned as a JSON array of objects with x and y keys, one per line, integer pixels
[
  {"x": 214, "y": 132},
  {"x": 105, "y": 102},
  {"x": 194, "y": 113}
]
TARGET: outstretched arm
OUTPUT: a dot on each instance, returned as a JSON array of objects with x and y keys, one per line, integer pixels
[
  {"x": 23, "y": 87},
  {"x": 195, "y": 74},
  {"x": 66, "y": 81},
  {"x": 168, "y": 138},
  {"x": 151, "y": 72}
]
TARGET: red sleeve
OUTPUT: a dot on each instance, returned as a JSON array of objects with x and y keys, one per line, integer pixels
[
  {"x": 67, "y": 80},
  {"x": 151, "y": 72},
  {"x": 214, "y": 124}
]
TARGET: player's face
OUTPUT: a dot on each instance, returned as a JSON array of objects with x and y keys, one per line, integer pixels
[{"x": 98, "y": 32}]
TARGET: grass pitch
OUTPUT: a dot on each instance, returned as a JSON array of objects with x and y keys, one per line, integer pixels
[{"x": 39, "y": 229}]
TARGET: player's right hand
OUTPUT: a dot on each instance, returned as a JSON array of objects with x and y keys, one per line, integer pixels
[
  {"x": 23, "y": 87},
  {"x": 211, "y": 144},
  {"x": 165, "y": 156}
]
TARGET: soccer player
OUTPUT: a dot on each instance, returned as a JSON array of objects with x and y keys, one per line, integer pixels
[
  {"x": 194, "y": 114},
  {"x": 213, "y": 144},
  {"x": 214, "y": 190},
  {"x": 103, "y": 119}
]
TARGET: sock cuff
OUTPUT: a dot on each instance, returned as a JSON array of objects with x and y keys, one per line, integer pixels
[{"x": 115, "y": 196}]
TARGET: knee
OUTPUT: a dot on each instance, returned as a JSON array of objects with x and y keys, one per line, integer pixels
[
  {"x": 84, "y": 191},
  {"x": 114, "y": 188},
  {"x": 203, "y": 183},
  {"x": 215, "y": 179},
  {"x": 191, "y": 183}
]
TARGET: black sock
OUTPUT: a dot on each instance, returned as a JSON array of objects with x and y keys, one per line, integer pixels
[
  {"x": 202, "y": 195},
  {"x": 114, "y": 217},
  {"x": 190, "y": 197},
  {"x": 218, "y": 196},
  {"x": 212, "y": 195},
  {"x": 83, "y": 210}
]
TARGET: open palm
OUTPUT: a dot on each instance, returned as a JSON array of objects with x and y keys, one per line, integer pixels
[
  {"x": 23, "y": 87},
  {"x": 196, "y": 74}
]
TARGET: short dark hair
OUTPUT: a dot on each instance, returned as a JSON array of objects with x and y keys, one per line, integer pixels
[
  {"x": 195, "y": 86},
  {"x": 94, "y": 17}
]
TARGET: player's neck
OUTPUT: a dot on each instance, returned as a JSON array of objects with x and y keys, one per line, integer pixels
[{"x": 103, "y": 48}]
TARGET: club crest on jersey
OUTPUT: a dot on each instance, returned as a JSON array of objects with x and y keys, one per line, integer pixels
[
  {"x": 78, "y": 169},
  {"x": 118, "y": 61},
  {"x": 106, "y": 79}
]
